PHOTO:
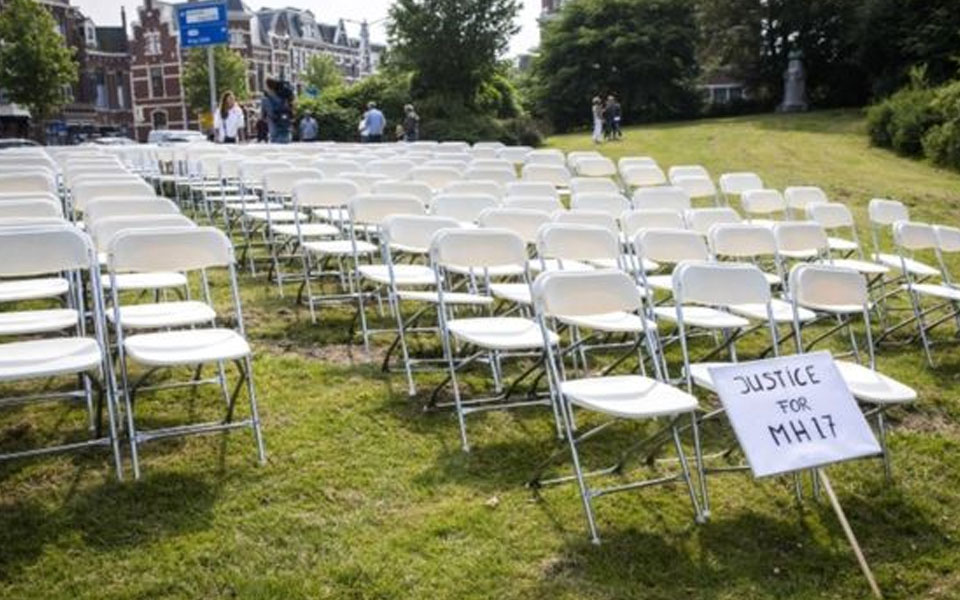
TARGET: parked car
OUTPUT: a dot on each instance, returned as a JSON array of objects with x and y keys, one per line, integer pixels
[
  {"x": 16, "y": 143},
  {"x": 166, "y": 137}
]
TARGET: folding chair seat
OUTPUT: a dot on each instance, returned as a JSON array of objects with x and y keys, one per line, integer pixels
[
  {"x": 735, "y": 184},
  {"x": 54, "y": 342},
  {"x": 532, "y": 189},
  {"x": 412, "y": 188},
  {"x": 798, "y": 198},
  {"x": 664, "y": 197},
  {"x": 842, "y": 293},
  {"x": 570, "y": 296},
  {"x": 642, "y": 175},
  {"x": 885, "y": 213},
  {"x": 478, "y": 250},
  {"x": 556, "y": 175},
  {"x": 196, "y": 249},
  {"x": 702, "y": 219},
  {"x": 769, "y": 204},
  {"x": 475, "y": 186}
]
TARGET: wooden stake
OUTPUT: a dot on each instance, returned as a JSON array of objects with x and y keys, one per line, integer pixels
[{"x": 849, "y": 532}]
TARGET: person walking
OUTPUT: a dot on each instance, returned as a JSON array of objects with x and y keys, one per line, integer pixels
[
  {"x": 276, "y": 109},
  {"x": 309, "y": 129},
  {"x": 597, "y": 112},
  {"x": 411, "y": 124},
  {"x": 613, "y": 107},
  {"x": 228, "y": 121},
  {"x": 373, "y": 124}
]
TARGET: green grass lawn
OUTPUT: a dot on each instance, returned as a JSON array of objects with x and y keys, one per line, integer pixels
[{"x": 367, "y": 496}]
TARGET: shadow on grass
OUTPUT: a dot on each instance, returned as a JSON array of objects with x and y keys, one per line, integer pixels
[{"x": 107, "y": 516}]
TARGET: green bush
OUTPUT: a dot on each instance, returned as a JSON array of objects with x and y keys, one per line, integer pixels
[
  {"x": 901, "y": 121},
  {"x": 879, "y": 117},
  {"x": 941, "y": 144}
]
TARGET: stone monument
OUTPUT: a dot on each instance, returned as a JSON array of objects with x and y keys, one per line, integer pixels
[{"x": 794, "y": 85}]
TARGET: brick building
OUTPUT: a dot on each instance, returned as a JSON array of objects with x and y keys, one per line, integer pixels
[
  {"x": 275, "y": 43},
  {"x": 99, "y": 103}
]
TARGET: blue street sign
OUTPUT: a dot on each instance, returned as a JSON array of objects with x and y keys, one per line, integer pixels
[{"x": 203, "y": 24}]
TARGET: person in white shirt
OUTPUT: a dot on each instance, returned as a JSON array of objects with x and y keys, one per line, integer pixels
[{"x": 228, "y": 122}]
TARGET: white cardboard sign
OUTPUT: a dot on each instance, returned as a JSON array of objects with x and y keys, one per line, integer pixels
[{"x": 793, "y": 413}]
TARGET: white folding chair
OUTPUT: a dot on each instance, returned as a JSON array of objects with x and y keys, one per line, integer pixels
[
  {"x": 556, "y": 175},
  {"x": 578, "y": 295},
  {"x": 465, "y": 208},
  {"x": 475, "y": 186},
  {"x": 798, "y": 198},
  {"x": 768, "y": 204},
  {"x": 637, "y": 175},
  {"x": 436, "y": 177},
  {"x": 702, "y": 219},
  {"x": 664, "y": 197},
  {"x": 532, "y": 189},
  {"x": 408, "y": 188},
  {"x": 735, "y": 184},
  {"x": 198, "y": 249}
]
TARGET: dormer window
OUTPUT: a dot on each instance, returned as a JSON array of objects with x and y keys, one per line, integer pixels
[
  {"x": 90, "y": 33},
  {"x": 151, "y": 43}
]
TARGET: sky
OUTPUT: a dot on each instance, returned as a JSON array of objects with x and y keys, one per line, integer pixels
[{"x": 107, "y": 12}]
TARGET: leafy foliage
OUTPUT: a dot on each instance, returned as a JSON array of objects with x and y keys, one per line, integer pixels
[
  {"x": 451, "y": 46},
  {"x": 643, "y": 51},
  {"x": 323, "y": 74},
  {"x": 229, "y": 67},
  {"x": 942, "y": 142},
  {"x": 35, "y": 64}
]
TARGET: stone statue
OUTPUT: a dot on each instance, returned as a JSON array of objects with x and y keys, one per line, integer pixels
[{"x": 794, "y": 85}]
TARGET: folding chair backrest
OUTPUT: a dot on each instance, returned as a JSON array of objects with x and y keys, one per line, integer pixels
[
  {"x": 948, "y": 238},
  {"x": 415, "y": 232},
  {"x": 670, "y": 197},
  {"x": 478, "y": 248},
  {"x": 366, "y": 181},
  {"x": 532, "y": 189},
  {"x": 40, "y": 250},
  {"x": 831, "y": 215},
  {"x": 169, "y": 249},
  {"x": 688, "y": 171},
  {"x": 465, "y": 208},
  {"x": 501, "y": 175},
  {"x": 574, "y": 157},
  {"x": 524, "y": 222},
  {"x": 641, "y": 175},
  {"x": 611, "y": 203},
  {"x": 414, "y": 188},
  {"x": 738, "y": 183},
  {"x": 596, "y": 166},
  {"x": 800, "y": 236},
  {"x": 87, "y": 192},
  {"x": 35, "y": 181},
  {"x": 799, "y": 197},
  {"x": 719, "y": 284},
  {"x": 762, "y": 202},
  {"x": 587, "y": 217},
  {"x": 228, "y": 167},
  {"x": 392, "y": 168},
  {"x": 571, "y": 241},
  {"x": 696, "y": 186},
  {"x": 538, "y": 203},
  {"x": 474, "y": 186},
  {"x": 742, "y": 240},
  {"x": 282, "y": 181},
  {"x": 914, "y": 236},
  {"x": 636, "y": 161},
  {"x": 30, "y": 209},
  {"x": 827, "y": 285},
  {"x": 593, "y": 185},
  {"x": 460, "y": 165},
  {"x": 435, "y": 177},
  {"x": 252, "y": 170},
  {"x": 574, "y": 293},
  {"x": 372, "y": 209},
  {"x": 545, "y": 157},
  {"x": 517, "y": 155},
  {"x": 104, "y": 230},
  {"x": 670, "y": 245},
  {"x": 555, "y": 174},
  {"x": 632, "y": 221},
  {"x": 324, "y": 193},
  {"x": 702, "y": 219},
  {"x": 123, "y": 207},
  {"x": 333, "y": 167},
  {"x": 887, "y": 212},
  {"x": 492, "y": 163}
]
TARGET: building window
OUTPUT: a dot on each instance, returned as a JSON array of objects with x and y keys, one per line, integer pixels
[
  {"x": 736, "y": 93},
  {"x": 151, "y": 43},
  {"x": 156, "y": 82},
  {"x": 236, "y": 38},
  {"x": 67, "y": 91},
  {"x": 91, "y": 35},
  {"x": 260, "y": 76},
  {"x": 121, "y": 90},
  {"x": 159, "y": 118},
  {"x": 100, "y": 87}
]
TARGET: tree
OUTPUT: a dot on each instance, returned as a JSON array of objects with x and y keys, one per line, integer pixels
[
  {"x": 642, "y": 51},
  {"x": 229, "y": 67},
  {"x": 322, "y": 73},
  {"x": 35, "y": 64},
  {"x": 451, "y": 46}
]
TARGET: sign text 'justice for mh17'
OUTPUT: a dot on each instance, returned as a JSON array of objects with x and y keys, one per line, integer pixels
[{"x": 793, "y": 413}]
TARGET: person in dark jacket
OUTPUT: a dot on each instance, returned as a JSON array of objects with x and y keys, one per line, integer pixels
[
  {"x": 411, "y": 124},
  {"x": 612, "y": 112}
]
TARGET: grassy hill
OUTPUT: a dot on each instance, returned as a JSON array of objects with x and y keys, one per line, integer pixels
[{"x": 367, "y": 496}]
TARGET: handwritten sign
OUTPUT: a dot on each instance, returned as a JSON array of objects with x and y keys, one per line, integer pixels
[{"x": 793, "y": 413}]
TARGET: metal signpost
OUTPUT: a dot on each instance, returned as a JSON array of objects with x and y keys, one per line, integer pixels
[
  {"x": 796, "y": 413},
  {"x": 204, "y": 24}
]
